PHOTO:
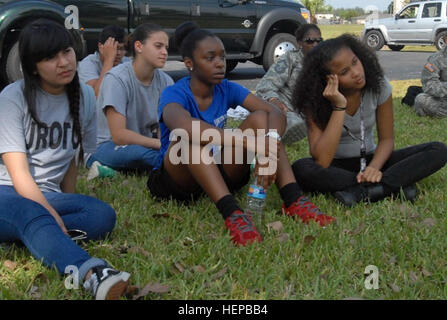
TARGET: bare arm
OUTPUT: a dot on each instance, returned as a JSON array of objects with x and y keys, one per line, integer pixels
[
  {"x": 323, "y": 144},
  {"x": 18, "y": 169},
  {"x": 68, "y": 184},
  {"x": 108, "y": 50},
  {"x": 123, "y": 136}
]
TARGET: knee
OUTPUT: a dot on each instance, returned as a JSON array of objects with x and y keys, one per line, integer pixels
[
  {"x": 105, "y": 218},
  {"x": 257, "y": 120},
  {"x": 302, "y": 167},
  {"x": 440, "y": 149}
]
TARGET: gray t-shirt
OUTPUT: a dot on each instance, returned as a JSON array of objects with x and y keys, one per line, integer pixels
[
  {"x": 349, "y": 147},
  {"x": 91, "y": 66},
  {"x": 128, "y": 96},
  {"x": 49, "y": 149}
]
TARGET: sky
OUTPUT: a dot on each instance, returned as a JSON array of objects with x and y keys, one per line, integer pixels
[{"x": 381, "y": 4}]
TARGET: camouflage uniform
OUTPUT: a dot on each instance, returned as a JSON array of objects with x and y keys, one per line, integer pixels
[
  {"x": 433, "y": 101},
  {"x": 279, "y": 82}
]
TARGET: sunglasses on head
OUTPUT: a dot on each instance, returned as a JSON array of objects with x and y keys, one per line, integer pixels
[{"x": 312, "y": 40}]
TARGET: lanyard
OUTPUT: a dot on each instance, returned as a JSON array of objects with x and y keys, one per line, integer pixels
[{"x": 362, "y": 138}]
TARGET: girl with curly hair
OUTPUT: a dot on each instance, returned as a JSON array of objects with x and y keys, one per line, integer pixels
[{"x": 342, "y": 93}]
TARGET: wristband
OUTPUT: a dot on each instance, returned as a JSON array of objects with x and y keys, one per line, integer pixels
[
  {"x": 335, "y": 108},
  {"x": 274, "y": 135}
]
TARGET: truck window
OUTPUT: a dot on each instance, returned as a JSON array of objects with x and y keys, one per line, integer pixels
[
  {"x": 432, "y": 10},
  {"x": 409, "y": 12}
]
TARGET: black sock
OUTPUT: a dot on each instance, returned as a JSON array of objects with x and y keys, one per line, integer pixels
[
  {"x": 227, "y": 205},
  {"x": 290, "y": 193}
]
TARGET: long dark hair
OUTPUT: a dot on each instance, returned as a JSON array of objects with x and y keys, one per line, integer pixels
[
  {"x": 42, "y": 39},
  {"x": 308, "y": 98}
]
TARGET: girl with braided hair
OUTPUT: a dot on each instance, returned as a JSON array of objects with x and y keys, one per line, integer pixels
[{"x": 49, "y": 120}]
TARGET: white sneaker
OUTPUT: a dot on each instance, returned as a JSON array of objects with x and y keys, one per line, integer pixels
[
  {"x": 107, "y": 283},
  {"x": 99, "y": 170}
]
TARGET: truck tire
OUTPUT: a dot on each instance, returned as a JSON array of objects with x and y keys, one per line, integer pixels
[
  {"x": 374, "y": 40},
  {"x": 279, "y": 44},
  {"x": 12, "y": 67},
  {"x": 439, "y": 42},
  {"x": 395, "y": 47}
]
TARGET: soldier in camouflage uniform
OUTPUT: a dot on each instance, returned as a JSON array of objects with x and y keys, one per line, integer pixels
[
  {"x": 278, "y": 83},
  {"x": 433, "y": 101}
]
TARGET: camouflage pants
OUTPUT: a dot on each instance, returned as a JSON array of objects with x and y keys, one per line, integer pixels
[
  {"x": 426, "y": 105},
  {"x": 296, "y": 128}
]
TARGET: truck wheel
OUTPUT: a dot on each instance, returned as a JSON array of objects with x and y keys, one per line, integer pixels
[
  {"x": 12, "y": 66},
  {"x": 231, "y": 64},
  {"x": 279, "y": 44},
  {"x": 374, "y": 40},
  {"x": 439, "y": 41},
  {"x": 395, "y": 47}
]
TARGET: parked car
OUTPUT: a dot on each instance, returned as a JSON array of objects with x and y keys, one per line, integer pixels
[
  {"x": 418, "y": 23},
  {"x": 254, "y": 30}
]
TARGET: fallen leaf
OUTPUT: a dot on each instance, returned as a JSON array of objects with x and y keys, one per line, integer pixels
[
  {"x": 283, "y": 237},
  {"x": 429, "y": 222},
  {"x": 132, "y": 291},
  {"x": 211, "y": 236},
  {"x": 179, "y": 267},
  {"x": 277, "y": 226},
  {"x": 426, "y": 273},
  {"x": 139, "y": 250},
  {"x": 356, "y": 231},
  {"x": 161, "y": 215},
  {"x": 220, "y": 274},
  {"x": 413, "y": 277},
  {"x": 308, "y": 239},
  {"x": 395, "y": 288},
  {"x": 188, "y": 241},
  {"x": 199, "y": 269},
  {"x": 34, "y": 293},
  {"x": 11, "y": 265},
  {"x": 392, "y": 260},
  {"x": 151, "y": 288},
  {"x": 348, "y": 213}
]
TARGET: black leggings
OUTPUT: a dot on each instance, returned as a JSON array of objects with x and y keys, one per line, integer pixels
[{"x": 404, "y": 167}]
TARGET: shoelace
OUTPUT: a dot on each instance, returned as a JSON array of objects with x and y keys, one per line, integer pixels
[
  {"x": 246, "y": 218},
  {"x": 309, "y": 206}
]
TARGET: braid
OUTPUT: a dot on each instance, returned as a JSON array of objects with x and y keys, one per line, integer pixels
[{"x": 73, "y": 93}]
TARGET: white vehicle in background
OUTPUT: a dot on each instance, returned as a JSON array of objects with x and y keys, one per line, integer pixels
[{"x": 418, "y": 23}]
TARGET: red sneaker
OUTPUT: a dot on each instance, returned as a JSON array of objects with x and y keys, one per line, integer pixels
[
  {"x": 242, "y": 229},
  {"x": 306, "y": 211}
]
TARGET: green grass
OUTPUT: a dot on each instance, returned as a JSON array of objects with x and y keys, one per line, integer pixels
[
  {"x": 188, "y": 248},
  {"x": 332, "y": 31}
]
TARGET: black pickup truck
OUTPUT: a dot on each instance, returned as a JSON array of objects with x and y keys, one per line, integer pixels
[{"x": 255, "y": 30}]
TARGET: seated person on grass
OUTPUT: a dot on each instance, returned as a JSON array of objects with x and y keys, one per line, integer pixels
[
  {"x": 278, "y": 83},
  {"x": 128, "y": 130},
  {"x": 433, "y": 101},
  {"x": 111, "y": 52},
  {"x": 47, "y": 119},
  {"x": 201, "y": 101},
  {"x": 341, "y": 112}
]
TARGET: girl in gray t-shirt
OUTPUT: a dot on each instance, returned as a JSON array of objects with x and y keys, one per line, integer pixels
[
  {"x": 49, "y": 120},
  {"x": 342, "y": 93},
  {"x": 127, "y": 106}
]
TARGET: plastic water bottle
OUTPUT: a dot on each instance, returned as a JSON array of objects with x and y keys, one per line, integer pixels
[{"x": 256, "y": 196}]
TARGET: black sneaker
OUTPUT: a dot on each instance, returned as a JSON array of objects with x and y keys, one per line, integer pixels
[
  {"x": 362, "y": 192},
  {"x": 106, "y": 283},
  {"x": 410, "y": 192}
]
